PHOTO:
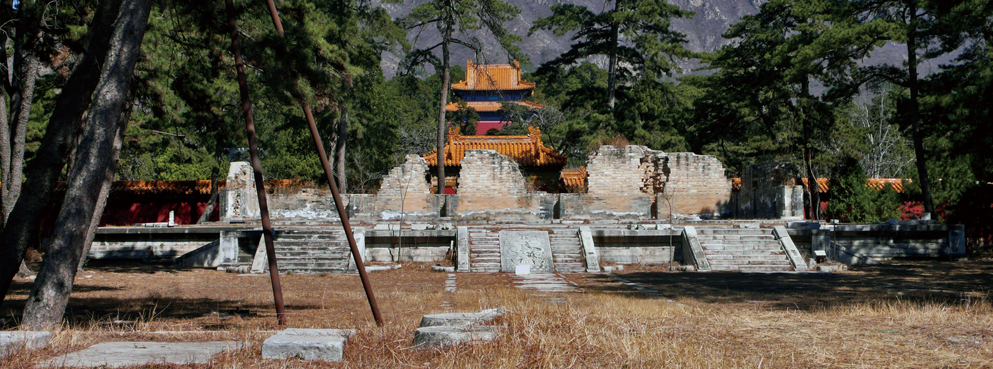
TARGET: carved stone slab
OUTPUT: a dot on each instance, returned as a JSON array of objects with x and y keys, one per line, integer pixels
[{"x": 530, "y": 248}]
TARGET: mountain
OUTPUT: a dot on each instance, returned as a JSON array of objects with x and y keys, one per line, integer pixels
[{"x": 703, "y": 33}]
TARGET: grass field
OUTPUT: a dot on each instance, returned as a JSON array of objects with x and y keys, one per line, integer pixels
[{"x": 903, "y": 314}]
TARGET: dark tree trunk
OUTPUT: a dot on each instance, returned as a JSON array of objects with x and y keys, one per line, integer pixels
[
  {"x": 12, "y": 187},
  {"x": 442, "y": 124},
  {"x": 43, "y": 172},
  {"x": 107, "y": 181},
  {"x": 48, "y": 298},
  {"x": 915, "y": 115},
  {"x": 339, "y": 151}
]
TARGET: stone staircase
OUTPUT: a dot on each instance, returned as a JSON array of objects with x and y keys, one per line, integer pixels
[
  {"x": 742, "y": 249},
  {"x": 567, "y": 252},
  {"x": 484, "y": 249},
  {"x": 313, "y": 251}
]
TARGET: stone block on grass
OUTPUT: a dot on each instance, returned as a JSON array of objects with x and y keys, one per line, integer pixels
[
  {"x": 461, "y": 319},
  {"x": 14, "y": 341},
  {"x": 307, "y": 344},
  {"x": 443, "y": 336}
]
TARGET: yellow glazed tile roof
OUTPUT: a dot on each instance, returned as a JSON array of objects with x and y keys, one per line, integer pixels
[
  {"x": 824, "y": 184},
  {"x": 574, "y": 179},
  {"x": 492, "y": 77},
  {"x": 526, "y": 150},
  {"x": 490, "y": 106}
]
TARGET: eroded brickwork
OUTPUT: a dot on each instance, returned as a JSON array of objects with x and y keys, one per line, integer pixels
[
  {"x": 487, "y": 173},
  {"x": 617, "y": 171},
  {"x": 770, "y": 190},
  {"x": 686, "y": 182}
]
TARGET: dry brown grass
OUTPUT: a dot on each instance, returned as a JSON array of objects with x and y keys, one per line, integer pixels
[{"x": 606, "y": 326}]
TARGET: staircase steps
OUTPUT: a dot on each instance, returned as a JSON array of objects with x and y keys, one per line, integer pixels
[
  {"x": 743, "y": 249},
  {"x": 312, "y": 251},
  {"x": 484, "y": 248}
]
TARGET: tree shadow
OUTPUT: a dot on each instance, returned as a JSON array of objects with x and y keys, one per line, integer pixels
[{"x": 915, "y": 282}]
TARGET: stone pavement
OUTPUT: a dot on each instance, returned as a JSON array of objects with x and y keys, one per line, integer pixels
[
  {"x": 121, "y": 354},
  {"x": 543, "y": 282}
]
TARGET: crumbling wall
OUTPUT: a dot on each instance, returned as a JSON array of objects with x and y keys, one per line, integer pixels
[
  {"x": 491, "y": 186},
  {"x": 625, "y": 180},
  {"x": 239, "y": 200},
  {"x": 694, "y": 184},
  {"x": 488, "y": 173},
  {"x": 769, "y": 190},
  {"x": 406, "y": 191}
]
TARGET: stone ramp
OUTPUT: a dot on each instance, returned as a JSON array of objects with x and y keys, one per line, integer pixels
[
  {"x": 485, "y": 254},
  {"x": 742, "y": 249},
  {"x": 312, "y": 250}
]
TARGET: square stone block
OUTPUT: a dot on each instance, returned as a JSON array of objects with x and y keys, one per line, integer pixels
[
  {"x": 11, "y": 342},
  {"x": 307, "y": 344}
]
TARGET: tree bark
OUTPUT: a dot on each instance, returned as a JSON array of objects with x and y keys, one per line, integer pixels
[
  {"x": 339, "y": 151},
  {"x": 12, "y": 188},
  {"x": 105, "y": 185},
  {"x": 915, "y": 118},
  {"x": 43, "y": 172},
  {"x": 48, "y": 298},
  {"x": 442, "y": 124},
  {"x": 612, "y": 59}
]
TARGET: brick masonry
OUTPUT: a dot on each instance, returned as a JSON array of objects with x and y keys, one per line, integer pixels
[{"x": 686, "y": 182}]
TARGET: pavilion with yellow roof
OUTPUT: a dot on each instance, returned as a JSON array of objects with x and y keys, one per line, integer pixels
[
  {"x": 534, "y": 158},
  {"x": 485, "y": 89}
]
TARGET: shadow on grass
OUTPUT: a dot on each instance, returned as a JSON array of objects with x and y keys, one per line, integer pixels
[{"x": 916, "y": 282}]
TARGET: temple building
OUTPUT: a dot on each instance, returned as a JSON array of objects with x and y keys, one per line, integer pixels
[
  {"x": 486, "y": 87},
  {"x": 540, "y": 164}
]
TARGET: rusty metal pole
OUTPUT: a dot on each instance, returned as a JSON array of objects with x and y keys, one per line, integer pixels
[
  {"x": 253, "y": 146},
  {"x": 308, "y": 113}
]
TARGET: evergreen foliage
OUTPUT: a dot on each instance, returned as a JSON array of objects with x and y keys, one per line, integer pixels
[{"x": 852, "y": 201}]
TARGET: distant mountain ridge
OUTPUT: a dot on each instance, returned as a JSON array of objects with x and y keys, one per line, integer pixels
[{"x": 703, "y": 32}]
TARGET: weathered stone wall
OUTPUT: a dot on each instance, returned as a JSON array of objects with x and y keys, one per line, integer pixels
[
  {"x": 618, "y": 171},
  {"x": 487, "y": 173},
  {"x": 491, "y": 186},
  {"x": 686, "y": 182},
  {"x": 769, "y": 190},
  {"x": 406, "y": 190},
  {"x": 239, "y": 200},
  {"x": 695, "y": 184}
]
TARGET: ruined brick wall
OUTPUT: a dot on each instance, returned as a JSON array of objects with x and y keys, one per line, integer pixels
[
  {"x": 695, "y": 184},
  {"x": 689, "y": 183},
  {"x": 769, "y": 190},
  {"x": 406, "y": 190},
  {"x": 487, "y": 173},
  {"x": 617, "y": 171}
]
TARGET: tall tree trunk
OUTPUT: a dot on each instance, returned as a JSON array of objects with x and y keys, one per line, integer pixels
[
  {"x": 48, "y": 298},
  {"x": 339, "y": 151},
  {"x": 106, "y": 184},
  {"x": 43, "y": 172},
  {"x": 813, "y": 188},
  {"x": 915, "y": 113},
  {"x": 442, "y": 124},
  {"x": 22, "y": 113},
  {"x": 612, "y": 66},
  {"x": 6, "y": 203},
  {"x": 615, "y": 30}
]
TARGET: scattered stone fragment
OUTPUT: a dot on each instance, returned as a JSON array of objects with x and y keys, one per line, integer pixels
[
  {"x": 832, "y": 268},
  {"x": 450, "y": 283},
  {"x": 461, "y": 319},
  {"x": 441, "y": 268},
  {"x": 440, "y": 336},
  {"x": 381, "y": 268},
  {"x": 611, "y": 269},
  {"x": 14, "y": 341},
  {"x": 307, "y": 344},
  {"x": 121, "y": 354}
]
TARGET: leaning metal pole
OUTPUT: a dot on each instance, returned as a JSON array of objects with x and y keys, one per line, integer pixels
[
  {"x": 308, "y": 113},
  {"x": 253, "y": 146}
]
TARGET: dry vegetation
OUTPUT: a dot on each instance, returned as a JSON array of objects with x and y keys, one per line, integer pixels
[{"x": 920, "y": 314}]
